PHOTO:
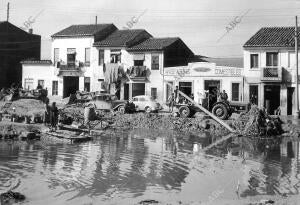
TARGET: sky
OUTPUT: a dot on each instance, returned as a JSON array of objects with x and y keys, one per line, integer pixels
[{"x": 206, "y": 26}]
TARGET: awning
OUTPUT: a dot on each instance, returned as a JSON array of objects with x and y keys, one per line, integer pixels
[{"x": 139, "y": 57}]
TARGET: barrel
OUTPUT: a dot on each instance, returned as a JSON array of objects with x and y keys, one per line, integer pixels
[{"x": 89, "y": 114}]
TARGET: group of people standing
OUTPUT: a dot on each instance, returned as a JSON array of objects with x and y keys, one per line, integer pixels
[{"x": 51, "y": 115}]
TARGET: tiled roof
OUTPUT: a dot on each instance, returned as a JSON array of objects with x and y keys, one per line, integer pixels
[
  {"x": 154, "y": 44},
  {"x": 122, "y": 38},
  {"x": 43, "y": 62},
  {"x": 81, "y": 30},
  {"x": 273, "y": 37}
]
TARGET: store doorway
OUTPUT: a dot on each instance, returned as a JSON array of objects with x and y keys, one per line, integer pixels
[
  {"x": 272, "y": 98},
  {"x": 211, "y": 85},
  {"x": 71, "y": 85},
  {"x": 290, "y": 94}
]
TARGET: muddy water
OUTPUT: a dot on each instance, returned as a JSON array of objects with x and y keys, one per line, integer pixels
[{"x": 128, "y": 167}]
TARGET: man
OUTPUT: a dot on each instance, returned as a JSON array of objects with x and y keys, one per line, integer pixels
[
  {"x": 224, "y": 96},
  {"x": 171, "y": 102},
  {"x": 53, "y": 116},
  {"x": 176, "y": 96},
  {"x": 47, "y": 113}
]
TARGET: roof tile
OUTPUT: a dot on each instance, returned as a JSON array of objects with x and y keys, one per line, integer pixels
[
  {"x": 121, "y": 38},
  {"x": 273, "y": 37},
  {"x": 81, "y": 30},
  {"x": 154, "y": 44}
]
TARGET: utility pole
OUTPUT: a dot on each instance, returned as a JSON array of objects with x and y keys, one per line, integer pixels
[
  {"x": 296, "y": 54},
  {"x": 96, "y": 20},
  {"x": 7, "y": 18}
]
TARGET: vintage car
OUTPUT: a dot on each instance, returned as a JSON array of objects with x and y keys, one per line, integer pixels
[
  {"x": 107, "y": 102},
  {"x": 146, "y": 103}
]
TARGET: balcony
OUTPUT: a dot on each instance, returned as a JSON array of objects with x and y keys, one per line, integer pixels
[
  {"x": 70, "y": 69},
  {"x": 138, "y": 73},
  {"x": 271, "y": 74}
]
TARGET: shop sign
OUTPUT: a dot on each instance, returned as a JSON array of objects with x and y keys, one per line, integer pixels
[
  {"x": 201, "y": 69},
  {"x": 178, "y": 72},
  {"x": 228, "y": 71}
]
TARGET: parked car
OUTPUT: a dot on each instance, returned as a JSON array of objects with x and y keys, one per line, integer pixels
[
  {"x": 146, "y": 103},
  {"x": 107, "y": 102}
]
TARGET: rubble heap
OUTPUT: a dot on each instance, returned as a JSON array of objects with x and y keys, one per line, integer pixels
[{"x": 257, "y": 122}]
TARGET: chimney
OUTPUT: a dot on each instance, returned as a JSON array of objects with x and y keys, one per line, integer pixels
[
  {"x": 96, "y": 20},
  {"x": 30, "y": 30}
]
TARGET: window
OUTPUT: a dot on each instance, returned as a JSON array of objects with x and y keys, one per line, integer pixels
[
  {"x": 272, "y": 59},
  {"x": 235, "y": 91},
  {"x": 28, "y": 83},
  {"x": 154, "y": 93},
  {"x": 56, "y": 55},
  {"x": 41, "y": 83},
  {"x": 54, "y": 87},
  {"x": 115, "y": 56},
  {"x": 71, "y": 57},
  {"x": 101, "y": 57},
  {"x": 87, "y": 56},
  {"x": 186, "y": 87},
  {"x": 254, "y": 61},
  {"x": 155, "y": 62},
  {"x": 87, "y": 84},
  {"x": 138, "y": 62}
]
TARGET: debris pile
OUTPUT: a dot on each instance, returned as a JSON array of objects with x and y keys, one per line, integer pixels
[{"x": 257, "y": 122}]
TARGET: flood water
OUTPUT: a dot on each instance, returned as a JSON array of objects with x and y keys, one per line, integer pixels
[{"x": 128, "y": 167}]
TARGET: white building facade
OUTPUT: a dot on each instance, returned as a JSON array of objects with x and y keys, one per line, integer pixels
[{"x": 270, "y": 74}]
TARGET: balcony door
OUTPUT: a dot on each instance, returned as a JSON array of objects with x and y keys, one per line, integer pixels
[{"x": 71, "y": 57}]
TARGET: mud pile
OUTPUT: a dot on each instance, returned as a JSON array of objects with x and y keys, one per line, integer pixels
[{"x": 167, "y": 122}]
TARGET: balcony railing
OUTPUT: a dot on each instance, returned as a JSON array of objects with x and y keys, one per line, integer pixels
[
  {"x": 138, "y": 72},
  {"x": 271, "y": 74},
  {"x": 71, "y": 68}
]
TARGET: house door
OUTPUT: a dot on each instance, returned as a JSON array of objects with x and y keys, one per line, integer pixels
[
  {"x": 272, "y": 98},
  {"x": 138, "y": 89},
  {"x": 290, "y": 93},
  {"x": 71, "y": 85},
  {"x": 253, "y": 94}
]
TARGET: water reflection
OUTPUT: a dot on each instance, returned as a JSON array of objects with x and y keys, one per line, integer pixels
[{"x": 142, "y": 163}]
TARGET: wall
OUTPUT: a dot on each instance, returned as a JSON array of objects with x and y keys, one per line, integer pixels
[{"x": 42, "y": 72}]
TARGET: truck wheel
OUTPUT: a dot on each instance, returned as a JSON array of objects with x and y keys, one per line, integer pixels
[
  {"x": 221, "y": 111},
  {"x": 184, "y": 111}
]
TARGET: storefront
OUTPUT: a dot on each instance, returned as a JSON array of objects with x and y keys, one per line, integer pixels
[{"x": 196, "y": 78}]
